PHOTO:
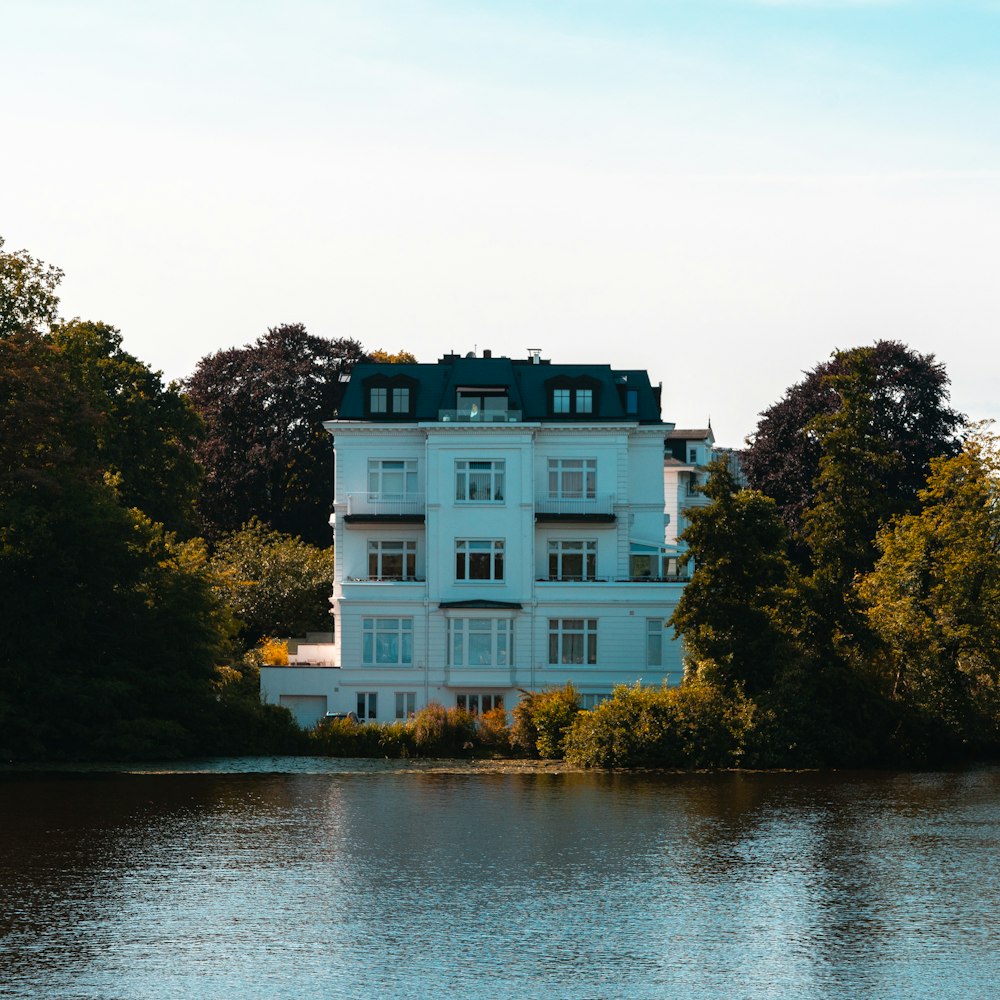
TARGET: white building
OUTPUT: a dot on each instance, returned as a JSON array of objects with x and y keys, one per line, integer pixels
[{"x": 500, "y": 525}]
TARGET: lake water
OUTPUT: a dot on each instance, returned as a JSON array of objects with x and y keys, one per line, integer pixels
[{"x": 317, "y": 878}]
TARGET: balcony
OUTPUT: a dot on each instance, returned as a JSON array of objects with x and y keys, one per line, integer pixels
[
  {"x": 596, "y": 509},
  {"x": 475, "y": 416},
  {"x": 385, "y": 508}
]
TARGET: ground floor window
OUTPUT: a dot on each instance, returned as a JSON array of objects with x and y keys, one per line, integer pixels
[
  {"x": 480, "y": 642},
  {"x": 406, "y": 704},
  {"x": 591, "y": 701},
  {"x": 387, "y": 641},
  {"x": 476, "y": 703},
  {"x": 367, "y": 705},
  {"x": 572, "y": 640}
]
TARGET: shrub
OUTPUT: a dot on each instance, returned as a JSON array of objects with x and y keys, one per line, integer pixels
[
  {"x": 274, "y": 652},
  {"x": 698, "y": 724},
  {"x": 492, "y": 730},
  {"x": 440, "y": 730},
  {"x": 542, "y": 719}
]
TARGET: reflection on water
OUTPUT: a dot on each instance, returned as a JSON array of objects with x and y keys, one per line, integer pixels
[{"x": 336, "y": 880}]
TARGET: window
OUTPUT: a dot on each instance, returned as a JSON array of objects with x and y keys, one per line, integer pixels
[
  {"x": 572, "y": 640},
  {"x": 479, "y": 559},
  {"x": 570, "y": 395},
  {"x": 390, "y": 395},
  {"x": 588, "y": 702},
  {"x": 654, "y": 642},
  {"x": 649, "y": 562},
  {"x": 693, "y": 456},
  {"x": 480, "y": 642},
  {"x": 482, "y": 404},
  {"x": 692, "y": 485},
  {"x": 406, "y": 704},
  {"x": 474, "y": 703},
  {"x": 392, "y": 478},
  {"x": 572, "y": 478},
  {"x": 481, "y": 482},
  {"x": 387, "y": 642},
  {"x": 392, "y": 560},
  {"x": 631, "y": 401},
  {"x": 367, "y": 705},
  {"x": 570, "y": 560}
]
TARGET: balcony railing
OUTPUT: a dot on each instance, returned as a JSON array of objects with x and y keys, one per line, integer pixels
[
  {"x": 479, "y": 416},
  {"x": 547, "y": 504},
  {"x": 390, "y": 504}
]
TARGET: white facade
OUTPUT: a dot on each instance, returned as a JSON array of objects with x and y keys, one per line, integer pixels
[{"x": 478, "y": 559}]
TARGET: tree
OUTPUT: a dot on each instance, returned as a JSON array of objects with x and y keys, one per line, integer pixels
[
  {"x": 145, "y": 432},
  {"x": 907, "y": 415},
  {"x": 273, "y": 584},
  {"x": 733, "y": 613},
  {"x": 934, "y": 596},
  {"x": 265, "y": 452},
  {"x": 387, "y": 358},
  {"x": 28, "y": 298}
]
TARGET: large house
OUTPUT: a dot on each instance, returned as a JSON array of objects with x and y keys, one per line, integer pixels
[{"x": 500, "y": 525}]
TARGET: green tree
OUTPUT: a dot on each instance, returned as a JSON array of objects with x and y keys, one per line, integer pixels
[
  {"x": 28, "y": 299},
  {"x": 934, "y": 596},
  {"x": 734, "y": 613},
  {"x": 274, "y": 584},
  {"x": 265, "y": 452},
  {"x": 907, "y": 413},
  {"x": 145, "y": 432}
]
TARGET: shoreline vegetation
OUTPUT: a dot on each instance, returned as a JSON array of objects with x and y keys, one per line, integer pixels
[{"x": 843, "y": 611}]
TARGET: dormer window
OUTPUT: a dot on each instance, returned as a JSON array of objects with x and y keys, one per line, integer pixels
[
  {"x": 693, "y": 456},
  {"x": 389, "y": 396},
  {"x": 572, "y": 397}
]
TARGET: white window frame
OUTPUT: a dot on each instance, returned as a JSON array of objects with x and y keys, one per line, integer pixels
[
  {"x": 573, "y": 641},
  {"x": 654, "y": 642},
  {"x": 367, "y": 704},
  {"x": 479, "y": 480},
  {"x": 581, "y": 397},
  {"x": 588, "y": 702},
  {"x": 467, "y": 548},
  {"x": 406, "y": 704},
  {"x": 561, "y": 400},
  {"x": 401, "y": 399},
  {"x": 585, "y": 549},
  {"x": 378, "y": 399},
  {"x": 492, "y": 636},
  {"x": 405, "y": 549},
  {"x": 561, "y": 471},
  {"x": 381, "y": 469},
  {"x": 377, "y": 636}
]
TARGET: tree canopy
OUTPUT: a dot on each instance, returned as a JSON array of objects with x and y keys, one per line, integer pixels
[
  {"x": 265, "y": 453},
  {"x": 274, "y": 584},
  {"x": 933, "y": 598},
  {"x": 28, "y": 299},
  {"x": 907, "y": 423}
]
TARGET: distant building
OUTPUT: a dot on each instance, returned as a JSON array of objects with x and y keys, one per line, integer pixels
[{"x": 500, "y": 524}]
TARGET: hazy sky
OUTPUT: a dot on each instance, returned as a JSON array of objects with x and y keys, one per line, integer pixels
[{"x": 718, "y": 191}]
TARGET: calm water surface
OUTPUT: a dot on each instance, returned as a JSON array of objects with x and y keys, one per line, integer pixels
[{"x": 298, "y": 878}]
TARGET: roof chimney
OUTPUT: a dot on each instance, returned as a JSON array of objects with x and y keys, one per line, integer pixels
[
  {"x": 535, "y": 354},
  {"x": 487, "y": 354}
]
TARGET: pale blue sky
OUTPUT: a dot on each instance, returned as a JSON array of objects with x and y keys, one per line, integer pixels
[{"x": 719, "y": 191}]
